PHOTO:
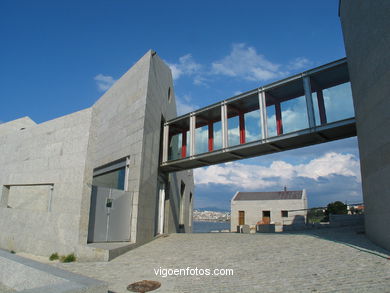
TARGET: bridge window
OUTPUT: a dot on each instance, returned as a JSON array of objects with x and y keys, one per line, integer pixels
[
  {"x": 332, "y": 95},
  {"x": 201, "y": 139},
  {"x": 271, "y": 121},
  {"x": 217, "y": 135},
  {"x": 338, "y": 103},
  {"x": 252, "y": 126},
  {"x": 294, "y": 114},
  {"x": 233, "y": 131}
]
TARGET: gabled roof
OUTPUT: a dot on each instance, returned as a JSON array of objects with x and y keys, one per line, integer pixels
[{"x": 271, "y": 195}]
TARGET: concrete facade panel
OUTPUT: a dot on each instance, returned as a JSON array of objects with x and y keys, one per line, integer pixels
[{"x": 366, "y": 33}]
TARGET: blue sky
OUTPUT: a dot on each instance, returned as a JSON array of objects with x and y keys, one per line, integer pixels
[{"x": 57, "y": 57}]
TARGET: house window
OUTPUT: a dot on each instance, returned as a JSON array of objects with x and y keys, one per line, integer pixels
[
  {"x": 284, "y": 214},
  {"x": 113, "y": 175}
]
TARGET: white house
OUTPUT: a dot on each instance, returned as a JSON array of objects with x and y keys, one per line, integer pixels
[{"x": 277, "y": 207}]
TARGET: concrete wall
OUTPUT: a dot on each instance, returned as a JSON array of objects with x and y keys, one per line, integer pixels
[
  {"x": 254, "y": 211},
  {"x": 40, "y": 220},
  {"x": 25, "y": 275},
  {"x": 366, "y": 32}
]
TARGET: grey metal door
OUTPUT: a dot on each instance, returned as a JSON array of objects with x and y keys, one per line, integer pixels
[{"x": 110, "y": 215}]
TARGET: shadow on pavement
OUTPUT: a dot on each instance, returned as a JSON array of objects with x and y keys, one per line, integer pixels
[{"x": 353, "y": 236}]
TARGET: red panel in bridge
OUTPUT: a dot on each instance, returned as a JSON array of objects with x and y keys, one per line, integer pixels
[
  {"x": 279, "y": 122},
  {"x": 211, "y": 136},
  {"x": 242, "y": 127},
  {"x": 184, "y": 144}
]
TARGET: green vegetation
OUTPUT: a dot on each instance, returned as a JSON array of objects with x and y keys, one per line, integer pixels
[
  {"x": 69, "y": 258},
  {"x": 335, "y": 208},
  {"x": 54, "y": 256},
  {"x": 315, "y": 215}
]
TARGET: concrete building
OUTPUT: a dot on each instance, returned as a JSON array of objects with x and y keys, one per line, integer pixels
[
  {"x": 89, "y": 182},
  {"x": 279, "y": 208},
  {"x": 366, "y": 33}
]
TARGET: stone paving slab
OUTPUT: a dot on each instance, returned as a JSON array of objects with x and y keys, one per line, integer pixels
[{"x": 326, "y": 260}]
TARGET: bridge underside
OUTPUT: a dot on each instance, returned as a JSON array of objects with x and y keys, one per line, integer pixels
[{"x": 306, "y": 109}]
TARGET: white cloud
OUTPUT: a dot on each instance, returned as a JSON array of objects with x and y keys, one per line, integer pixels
[
  {"x": 186, "y": 66},
  {"x": 245, "y": 62},
  {"x": 242, "y": 62},
  {"x": 299, "y": 63},
  {"x": 184, "y": 105},
  {"x": 279, "y": 173},
  {"x": 104, "y": 82},
  {"x": 331, "y": 164}
]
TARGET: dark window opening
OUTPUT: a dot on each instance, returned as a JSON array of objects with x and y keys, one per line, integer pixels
[
  {"x": 182, "y": 189},
  {"x": 266, "y": 214},
  {"x": 284, "y": 214},
  {"x": 112, "y": 175}
]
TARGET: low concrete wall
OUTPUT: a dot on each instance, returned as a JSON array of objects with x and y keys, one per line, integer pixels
[
  {"x": 24, "y": 275},
  {"x": 346, "y": 220}
]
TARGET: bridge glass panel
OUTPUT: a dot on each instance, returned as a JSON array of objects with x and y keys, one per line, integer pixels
[
  {"x": 174, "y": 151},
  {"x": 294, "y": 115},
  {"x": 338, "y": 103},
  {"x": 271, "y": 121},
  {"x": 217, "y": 133},
  {"x": 233, "y": 131},
  {"x": 252, "y": 126},
  {"x": 201, "y": 139}
]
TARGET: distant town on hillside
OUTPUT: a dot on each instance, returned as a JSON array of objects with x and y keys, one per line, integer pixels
[{"x": 211, "y": 214}]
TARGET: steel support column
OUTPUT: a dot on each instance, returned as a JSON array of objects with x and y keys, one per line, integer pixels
[
  {"x": 309, "y": 101},
  {"x": 224, "y": 125},
  {"x": 192, "y": 134}
]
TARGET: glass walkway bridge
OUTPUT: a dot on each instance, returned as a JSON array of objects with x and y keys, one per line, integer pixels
[{"x": 305, "y": 109}]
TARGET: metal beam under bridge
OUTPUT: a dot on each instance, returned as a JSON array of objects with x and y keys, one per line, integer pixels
[{"x": 219, "y": 133}]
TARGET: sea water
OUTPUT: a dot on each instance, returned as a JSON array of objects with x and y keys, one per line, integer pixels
[{"x": 206, "y": 227}]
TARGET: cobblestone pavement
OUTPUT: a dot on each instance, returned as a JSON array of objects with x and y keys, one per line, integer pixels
[{"x": 326, "y": 260}]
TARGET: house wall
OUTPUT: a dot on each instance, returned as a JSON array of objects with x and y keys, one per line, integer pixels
[
  {"x": 366, "y": 33},
  {"x": 254, "y": 211},
  {"x": 41, "y": 177}
]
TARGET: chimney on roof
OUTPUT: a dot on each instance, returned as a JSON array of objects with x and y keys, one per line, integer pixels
[{"x": 285, "y": 188}]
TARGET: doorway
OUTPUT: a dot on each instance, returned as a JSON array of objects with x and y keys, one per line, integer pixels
[
  {"x": 241, "y": 217},
  {"x": 266, "y": 217}
]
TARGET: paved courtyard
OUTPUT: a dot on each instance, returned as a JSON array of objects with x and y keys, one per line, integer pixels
[{"x": 326, "y": 260}]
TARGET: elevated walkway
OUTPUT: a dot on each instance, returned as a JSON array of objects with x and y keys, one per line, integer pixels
[{"x": 306, "y": 109}]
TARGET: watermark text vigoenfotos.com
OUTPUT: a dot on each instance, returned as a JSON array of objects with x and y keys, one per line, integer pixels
[{"x": 189, "y": 271}]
